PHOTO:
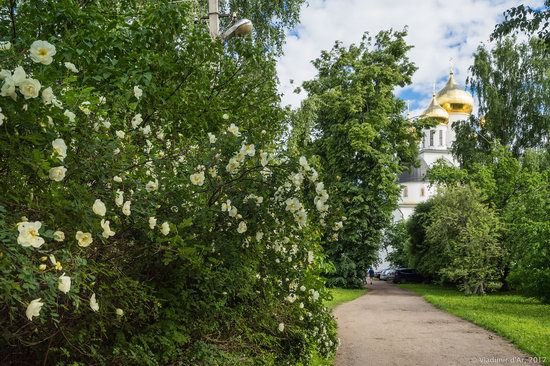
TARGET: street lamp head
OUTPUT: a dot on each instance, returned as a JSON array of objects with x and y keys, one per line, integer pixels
[{"x": 242, "y": 27}]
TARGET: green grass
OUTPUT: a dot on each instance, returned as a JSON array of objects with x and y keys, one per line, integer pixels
[
  {"x": 339, "y": 296},
  {"x": 524, "y": 321}
]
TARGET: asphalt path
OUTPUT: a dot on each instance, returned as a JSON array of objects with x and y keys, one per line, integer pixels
[{"x": 393, "y": 326}]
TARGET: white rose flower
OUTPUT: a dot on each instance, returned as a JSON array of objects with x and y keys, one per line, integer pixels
[
  {"x": 59, "y": 236},
  {"x": 120, "y": 134},
  {"x": 117, "y": 179},
  {"x": 107, "y": 232},
  {"x": 146, "y": 130},
  {"x": 138, "y": 92},
  {"x": 303, "y": 163},
  {"x": 64, "y": 283},
  {"x": 70, "y": 115},
  {"x": 319, "y": 187},
  {"x": 93, "y": 303},
  {"x": 242, "y": 227},
  {"x": 152, "y": 222},
  {"x": 2, "y": 118},
  {"x": 259, "y": 235},
  {"x": 42, "y": 52},
  {"x": 136, "y": 120},
  {"x": 42, "y": 267},
  {"x": 248, "y": 150},
  {"x": 301, "y": 217},
  {"x": 152, "y": 186},
  {"x": 29, "y": 235},
  {"x": 84, "y": 239},
  {"x": 99, "y": 207},
  {"x": 71, "y": 67},
  {"x": 213, "y": 171},
  {"x": 297, "y": 179},
  {"x": 281, "y": 327},
  {"x": 119, "y": 199},
  {"x": 19, "y": 75},
  {"x": 165, "y": 228},
  {"x": 293, "y": 204},
  {"x": 4, "y": 46},
  {"x": 48, "y": 96},
  {"x": 30, "y": 88},
  {"x": 119, "y": 312},
  {"x": 212, "y": 138},
  {"x": 85, "y": 108},
  {"x": 197, "y": 178},
  {"x": 34, "y": 308},
  {"x": 60, "y": 148},
  {"x": 234, "y": 130},
  {"x": 310, "y": 256},
  {"x": 126, "y": 208},
  {"x": 263, "y": 158},
  {"x": 57, "y": 173},
  {"x": 8, "y": 89}
]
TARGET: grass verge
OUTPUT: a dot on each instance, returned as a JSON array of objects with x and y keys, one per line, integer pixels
[
  {"x": 339, "y": 296},
  {"x": 522, "y": 320}
]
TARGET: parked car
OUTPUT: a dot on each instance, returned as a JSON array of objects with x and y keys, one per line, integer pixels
[
  {"x": 386, "y": 273},
  {"x": 403, "y": 275},
  {"x": 377, "y": 274}
]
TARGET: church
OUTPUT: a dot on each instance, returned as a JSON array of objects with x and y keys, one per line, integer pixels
[{"x": 449, "y": 106}]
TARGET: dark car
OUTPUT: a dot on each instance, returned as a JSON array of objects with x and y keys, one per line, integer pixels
[{"x": 403, "y": 275}]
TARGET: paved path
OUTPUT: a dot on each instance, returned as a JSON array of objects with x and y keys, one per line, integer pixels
[{"x": 392, "y": 326}]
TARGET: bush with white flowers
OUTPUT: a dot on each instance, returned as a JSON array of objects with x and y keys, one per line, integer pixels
[{"x": 124, "y": 242}]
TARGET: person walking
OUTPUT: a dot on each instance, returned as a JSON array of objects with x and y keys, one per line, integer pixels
[{"x": 370, "y": 276}]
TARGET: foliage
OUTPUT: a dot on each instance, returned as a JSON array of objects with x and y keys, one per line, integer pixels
[
  {"x": 416, "y": 230},
  {"x": 522, "y": 320},
  {"x": 362, "y": 140},
  {"x": 512, "y": 84},
  {"x": 396, "y": 242},
  {"x": 145, "y": 124},
  {"x": 527, "y": 19}
]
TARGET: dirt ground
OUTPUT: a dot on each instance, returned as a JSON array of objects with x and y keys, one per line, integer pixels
[{"x": 392, "y": 326}]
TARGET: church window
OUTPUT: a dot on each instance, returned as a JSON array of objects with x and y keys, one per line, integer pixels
[
  {"x": 440, "y": 137},
  {"x": 432, "y": 134},
  {"x": 405, "y": 192},
  {"x": 422, "y": 192}
]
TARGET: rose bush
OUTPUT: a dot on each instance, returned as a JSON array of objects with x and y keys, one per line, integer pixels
[{"x": 129, "y": 237}]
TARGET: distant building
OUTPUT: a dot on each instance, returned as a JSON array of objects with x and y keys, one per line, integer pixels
[{"x": 450, "y": 105}]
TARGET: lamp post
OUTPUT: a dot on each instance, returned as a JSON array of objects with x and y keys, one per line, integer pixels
[{"x": 240, "y": 28}]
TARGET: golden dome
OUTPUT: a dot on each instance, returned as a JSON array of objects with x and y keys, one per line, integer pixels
[
  {"x": 435, "y": 111},
  {"x": 454, "y": 99}
]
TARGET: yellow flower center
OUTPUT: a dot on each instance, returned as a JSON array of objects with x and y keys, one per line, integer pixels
[{"x": 42, "y": 52}]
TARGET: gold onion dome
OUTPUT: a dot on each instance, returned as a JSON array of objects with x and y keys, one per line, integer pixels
[
  {"x": 454, "y": 99},
  {"x": 435, "y": 111}
]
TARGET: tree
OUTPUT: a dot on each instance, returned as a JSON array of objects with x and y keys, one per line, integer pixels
[
  {"x": 396, "y": 244},
  {"x": 512, "y": 84},
  {"x": 417, "y": 225},
  {"x": 463, "y": 239},
  {"x": 527, "y": 19},
  {"x": 143, "y": 214},
  {"x": 363, "y": 142}
]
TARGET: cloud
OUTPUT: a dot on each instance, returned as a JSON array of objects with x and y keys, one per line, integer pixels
[{"x": 438, "y": 30}]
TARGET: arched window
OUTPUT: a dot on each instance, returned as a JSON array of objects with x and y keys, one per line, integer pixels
[
  {"x": 440, "y": 137},
  {"x": 405, "y": 192},
  {"x": 432, "y": 134},
  {"x": 422, "y": 192}
]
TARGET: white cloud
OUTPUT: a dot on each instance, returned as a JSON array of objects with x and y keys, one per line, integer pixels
[{"x": 438, "y": 30}]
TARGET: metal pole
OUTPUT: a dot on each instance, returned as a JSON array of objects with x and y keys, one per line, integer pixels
[{"x": 214, "y": 18}]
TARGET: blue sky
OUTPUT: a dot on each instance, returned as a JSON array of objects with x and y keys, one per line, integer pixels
[{"x": 438, "y": 30}]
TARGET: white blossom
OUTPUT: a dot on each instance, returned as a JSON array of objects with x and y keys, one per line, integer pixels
[
  {"x": 119, "y": 312},
  {"x": 33, "y": 309},
  {"x": 120, "y": 134},
  {"x": 64, "y": 283},
  {"x": 84, "y": 239},
  {"x": 234, "y": 129},
  {"x": 293, "y": 204},
  {"x": 42, "y": 52},
  {"x": 126, "y": 208},
  {"x": 4, "y": 46},
  {"x": 30, "y": 88},
  {"x": 29, "y": 235},
  {"x": 99, "y": 207},
  {"x": 93, "y": 303},
  {"x": 165, "y": 228},
  {"x": 152, "y": 222},
  {"x": 136, "y": 120},
  {"x": 57, "y": 173},
  {"x": 138, "y": 92},
  {"x": 248, "y": 150},
  {"x": 146, "y": 130},
  {"x": 117, "y": 179},
  {"x": 71, "y": 67},
  {"x": 281, "y": 327},
  {"x": 60, "y": 148},
  {"x": 242, "y": 227},
  {"x": 107, "y": 232},
  {"x": 212, "y": 138},
  {"x": 70, "y": 115},
  {"x": 197, "y": 178},
  {"x": 119, "y": 198},
  {"x": 59, "y": 236},
  {"x": 152, "y": 186}
]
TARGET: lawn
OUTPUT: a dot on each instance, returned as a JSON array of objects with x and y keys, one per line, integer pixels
[
  {"x": 524, "y": 321},
  {"x": 339, "y": 296}
]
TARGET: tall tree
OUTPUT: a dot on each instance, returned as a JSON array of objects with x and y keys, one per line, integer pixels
[
  {"x": 363, "y": 141},
  {"x": 527, "y": 19},
  {"x": 512, "y": 84}
]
